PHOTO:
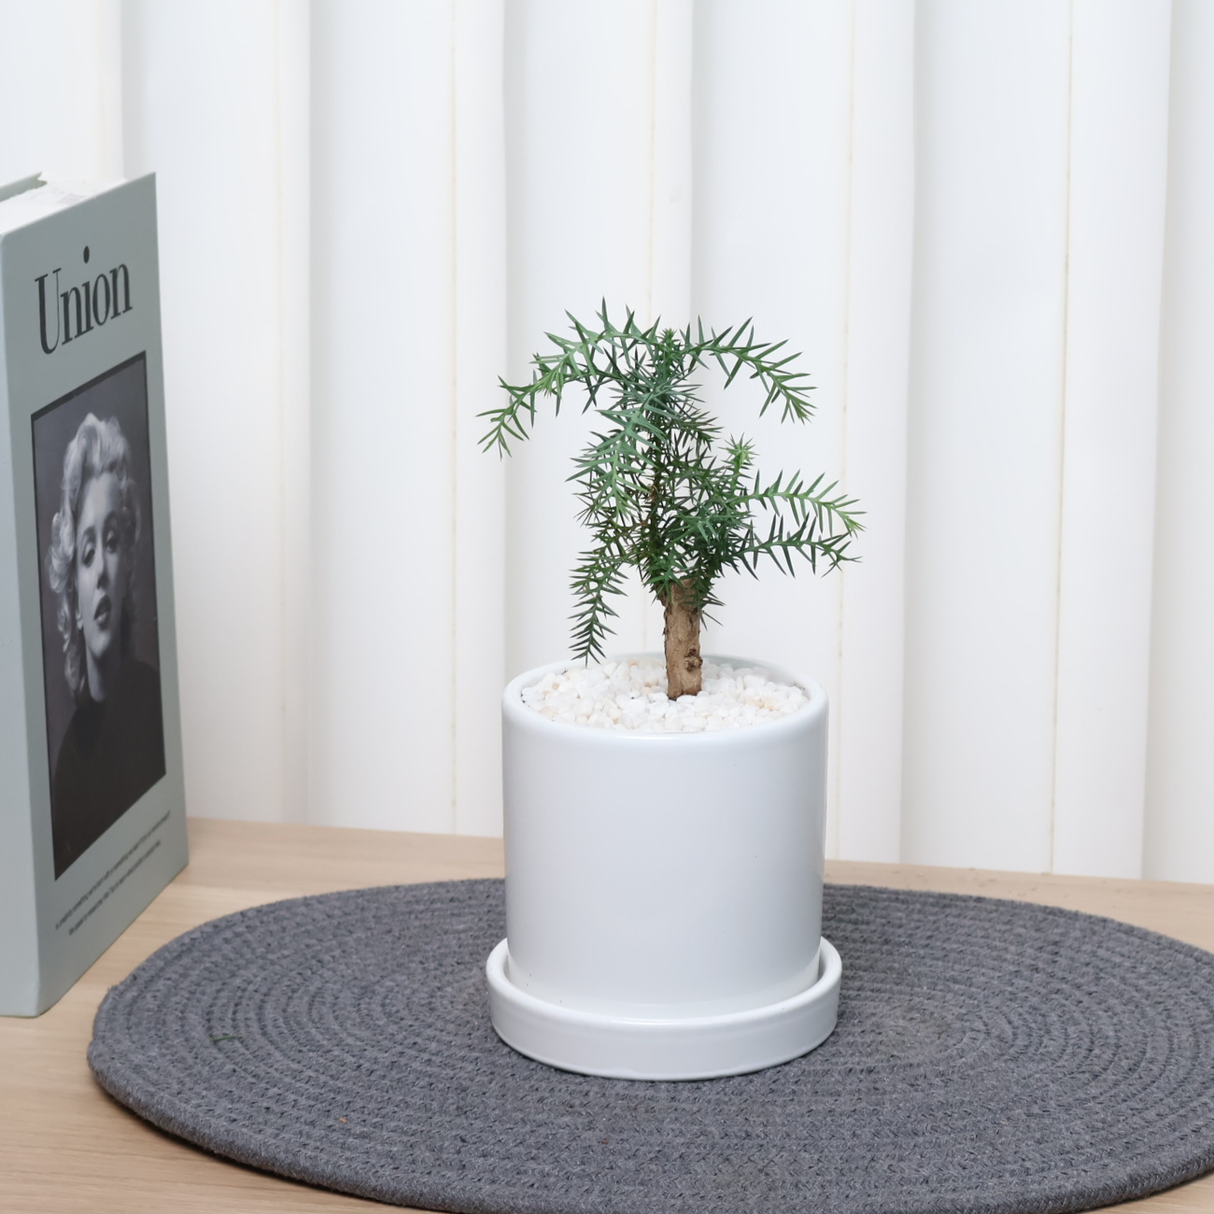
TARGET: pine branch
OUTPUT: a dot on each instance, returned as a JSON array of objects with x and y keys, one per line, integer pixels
[
  {"x": 599, "y": 574},
  {"x": 657, "y": 487}
]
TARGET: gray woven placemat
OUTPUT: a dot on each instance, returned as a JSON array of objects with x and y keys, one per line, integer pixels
[{"x": 990, "y": 1058}]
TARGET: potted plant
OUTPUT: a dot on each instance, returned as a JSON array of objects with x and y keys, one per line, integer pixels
[{"x": 664, "y": 818}]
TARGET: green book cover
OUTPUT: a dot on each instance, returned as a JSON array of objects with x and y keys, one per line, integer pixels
[{"x": 92, "y": 805}]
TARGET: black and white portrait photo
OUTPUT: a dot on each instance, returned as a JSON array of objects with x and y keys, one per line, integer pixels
[{"x": 100, "y": 652}]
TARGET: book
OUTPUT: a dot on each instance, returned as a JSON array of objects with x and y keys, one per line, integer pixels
[{"x": 92, "y": 801}]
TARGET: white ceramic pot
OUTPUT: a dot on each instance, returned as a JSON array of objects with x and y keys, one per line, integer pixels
[{"x": 664, "y": 894}]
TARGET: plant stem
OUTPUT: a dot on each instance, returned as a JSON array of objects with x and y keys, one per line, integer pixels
[{"x": 683, "y": 661}]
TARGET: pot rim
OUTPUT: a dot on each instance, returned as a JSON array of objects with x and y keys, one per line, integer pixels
[{"x": 527, "y": 718}]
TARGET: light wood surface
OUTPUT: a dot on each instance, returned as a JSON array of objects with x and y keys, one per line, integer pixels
[{"x": 65, "y": 1146}]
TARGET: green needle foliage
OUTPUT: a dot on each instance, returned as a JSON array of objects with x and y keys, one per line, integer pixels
[{"x": 660, "y": 489}]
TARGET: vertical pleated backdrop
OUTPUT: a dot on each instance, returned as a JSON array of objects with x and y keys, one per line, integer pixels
[{"x": 985, "y": 226}]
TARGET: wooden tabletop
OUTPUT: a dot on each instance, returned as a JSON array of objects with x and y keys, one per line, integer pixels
[{"x": 66, "y": 1146}]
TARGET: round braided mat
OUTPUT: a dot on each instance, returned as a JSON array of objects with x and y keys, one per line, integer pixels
[{"x": 991, "y": 1057}]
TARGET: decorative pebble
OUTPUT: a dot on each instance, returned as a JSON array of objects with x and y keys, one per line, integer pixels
[{"x": 630, "y": 695}]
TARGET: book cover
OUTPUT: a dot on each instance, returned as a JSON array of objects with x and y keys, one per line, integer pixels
[{"x": 92, "y": 804}]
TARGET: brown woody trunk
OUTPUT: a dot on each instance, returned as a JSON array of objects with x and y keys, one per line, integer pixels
[{"x": 683, "y": 660}]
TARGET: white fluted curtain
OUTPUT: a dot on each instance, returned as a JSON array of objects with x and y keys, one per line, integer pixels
[{"x": 987, "y": 226}]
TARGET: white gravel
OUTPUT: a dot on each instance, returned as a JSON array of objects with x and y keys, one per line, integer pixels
[{"x": 630, "y": 695}]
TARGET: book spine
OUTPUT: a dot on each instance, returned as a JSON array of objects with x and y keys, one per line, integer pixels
[{"x": 20, "y": 968}]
